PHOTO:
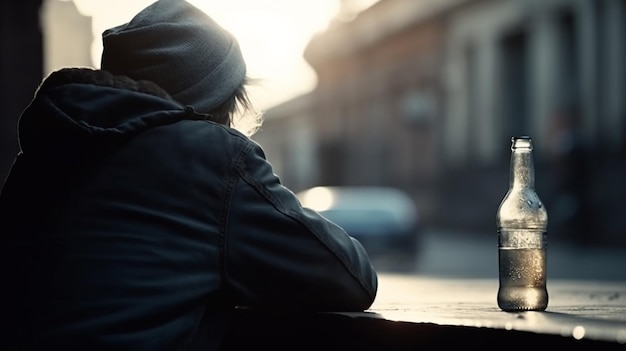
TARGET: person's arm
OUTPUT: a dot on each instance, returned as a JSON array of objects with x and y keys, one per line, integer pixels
[{"x": 280, "y": 255}]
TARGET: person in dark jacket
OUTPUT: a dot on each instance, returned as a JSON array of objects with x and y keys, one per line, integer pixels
[{"x": 136, "y": 216}]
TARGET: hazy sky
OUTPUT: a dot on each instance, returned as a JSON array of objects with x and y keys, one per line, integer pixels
[{"x": 272, "y": 35}]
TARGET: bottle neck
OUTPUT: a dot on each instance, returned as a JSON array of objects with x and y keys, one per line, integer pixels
[{"x": 522, "y": 166}]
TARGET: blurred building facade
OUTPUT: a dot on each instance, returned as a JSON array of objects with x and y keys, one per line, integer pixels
[
  {"x": 425, "y": 96},
  {"x": 67, "y": 36},
  {"x": 20, "y": 70},
  {"x": 36, "y": 38}
]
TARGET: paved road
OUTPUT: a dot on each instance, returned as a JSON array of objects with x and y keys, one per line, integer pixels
[{"x": 451, "y": 254}]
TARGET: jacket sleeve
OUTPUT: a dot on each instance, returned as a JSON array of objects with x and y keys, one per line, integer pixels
[{"x": 283, "y": 256}]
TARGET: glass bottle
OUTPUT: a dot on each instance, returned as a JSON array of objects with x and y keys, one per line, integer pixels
[{"x": 522, "y": 222}]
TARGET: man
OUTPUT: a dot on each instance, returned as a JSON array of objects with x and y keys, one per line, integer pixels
[{"x": 135, "y": 217}]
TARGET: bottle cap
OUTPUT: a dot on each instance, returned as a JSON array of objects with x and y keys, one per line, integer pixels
[{"x": 521, "y": 142}]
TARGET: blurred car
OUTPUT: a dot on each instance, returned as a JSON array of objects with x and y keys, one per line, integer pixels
[{"x": 384, "y": 219}]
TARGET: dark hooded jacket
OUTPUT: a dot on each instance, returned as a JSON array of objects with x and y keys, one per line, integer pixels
[{"x": 130, "y": 222}]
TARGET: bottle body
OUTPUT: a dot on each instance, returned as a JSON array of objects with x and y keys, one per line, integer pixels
[
  {"x": 522, "y": 237},
  {"x": 522, "y": 272}
]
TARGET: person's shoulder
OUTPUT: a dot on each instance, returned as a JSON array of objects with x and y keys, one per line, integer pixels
[{"x": 216, "y": 135}]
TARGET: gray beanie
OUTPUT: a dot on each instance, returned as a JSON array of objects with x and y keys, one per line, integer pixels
[{"x": 180, "y": 48}]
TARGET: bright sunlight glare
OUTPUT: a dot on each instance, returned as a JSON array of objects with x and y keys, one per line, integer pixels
[
  {"x": 272, "y": 35},
  {"x": 318, "y": 198}
]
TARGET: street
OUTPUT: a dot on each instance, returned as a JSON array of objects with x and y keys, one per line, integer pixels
[{"x": 475, "y": 255}]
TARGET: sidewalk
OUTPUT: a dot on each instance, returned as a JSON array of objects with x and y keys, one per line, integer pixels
[{"x": 475, "y": 255}]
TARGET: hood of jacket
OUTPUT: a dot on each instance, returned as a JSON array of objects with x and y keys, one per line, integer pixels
[{"x": 79, "y": 106}]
